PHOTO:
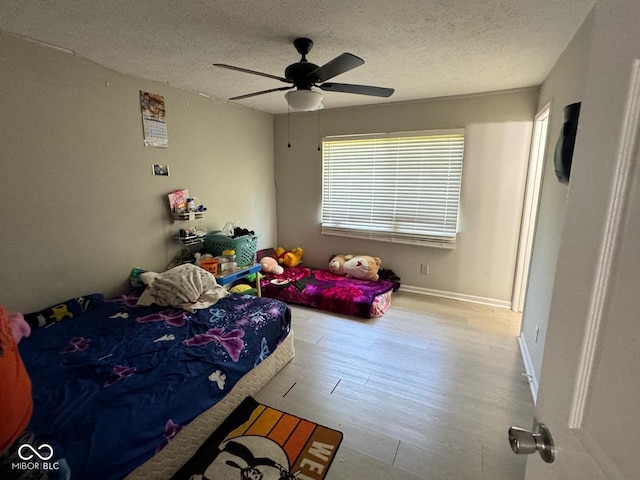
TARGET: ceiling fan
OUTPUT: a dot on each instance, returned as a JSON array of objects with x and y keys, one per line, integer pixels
[{"x": 303, "y": 75}]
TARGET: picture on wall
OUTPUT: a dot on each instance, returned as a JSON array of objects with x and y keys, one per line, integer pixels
[
  {"x": 162, "y": 170},
  {"x": 153, "y": 120}
]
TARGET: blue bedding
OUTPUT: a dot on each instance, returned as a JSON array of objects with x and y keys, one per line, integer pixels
[{"x": 113, "y": 386}]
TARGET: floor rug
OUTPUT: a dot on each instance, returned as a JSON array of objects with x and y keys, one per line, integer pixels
[{"x": 262, "y": 443}]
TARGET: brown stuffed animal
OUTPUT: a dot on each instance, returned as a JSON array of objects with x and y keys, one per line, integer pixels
[{"x": 363, "y": 267}]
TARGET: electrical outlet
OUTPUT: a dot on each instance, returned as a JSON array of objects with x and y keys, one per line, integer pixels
[{"x": 424, "y": 268}]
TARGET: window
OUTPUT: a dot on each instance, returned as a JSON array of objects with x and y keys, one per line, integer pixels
[{"x": 401, "y": 188}]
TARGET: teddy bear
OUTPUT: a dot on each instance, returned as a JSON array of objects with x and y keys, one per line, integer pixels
[
  {"x": 362, "y": 267},
  {"x": 270, "y": 265},
  {"x": 290, "y": 258}
]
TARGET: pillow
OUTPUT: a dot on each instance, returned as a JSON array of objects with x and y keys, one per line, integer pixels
[
  {"x": 73, "y": 307},
  {"x": 266, "y": 252}
]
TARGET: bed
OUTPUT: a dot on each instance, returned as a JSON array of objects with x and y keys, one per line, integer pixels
[
  {"x": 321, "y": 289},
  {"x": 131, "y": 391}
]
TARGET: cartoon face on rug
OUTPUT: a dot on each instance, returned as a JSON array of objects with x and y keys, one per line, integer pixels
[{"x": 248, "y": 458}]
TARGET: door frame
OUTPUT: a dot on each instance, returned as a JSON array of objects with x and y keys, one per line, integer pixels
[{"x": 539, "y": 139}]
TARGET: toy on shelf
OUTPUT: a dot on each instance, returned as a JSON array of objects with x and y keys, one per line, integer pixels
[
  {"x": 207, "y": 262},
  {"x": 362, "y": 267},
  {"x": 184, "y": 207}
]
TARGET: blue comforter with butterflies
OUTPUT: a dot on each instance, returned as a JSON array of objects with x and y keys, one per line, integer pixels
[{"x": 113, "y": 386}]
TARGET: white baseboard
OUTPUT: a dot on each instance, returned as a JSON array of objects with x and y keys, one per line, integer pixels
[
  {"x": 492, "y": 302},
  {"x": 528, "y": 368}
]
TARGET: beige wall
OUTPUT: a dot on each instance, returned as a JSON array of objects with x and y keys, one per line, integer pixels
[
  {"x": 498, "y": 130},
  {"x": 564, "y": 85},
  {"x": 80, "y": 207}
]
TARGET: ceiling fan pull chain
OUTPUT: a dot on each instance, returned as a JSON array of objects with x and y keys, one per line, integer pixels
[
  {"x": 318, "y": 112},
  {"x": 288, "y": 126}
]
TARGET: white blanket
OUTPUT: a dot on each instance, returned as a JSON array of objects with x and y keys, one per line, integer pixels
[{"x": 185, "y": 286}]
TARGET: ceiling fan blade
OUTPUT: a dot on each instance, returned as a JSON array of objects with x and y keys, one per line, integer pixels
[
  {"x": 359, "y": 89},
  {"x": 253, "y": 72},
  {"x": 341, "y": 64},
  {"x": 248, "y": 95}
]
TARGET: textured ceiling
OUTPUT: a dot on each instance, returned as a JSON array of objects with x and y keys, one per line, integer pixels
[{"x": 422, "y": 48}]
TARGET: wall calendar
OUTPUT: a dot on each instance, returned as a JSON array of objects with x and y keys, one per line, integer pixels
[{"x": 153, "y": 120}]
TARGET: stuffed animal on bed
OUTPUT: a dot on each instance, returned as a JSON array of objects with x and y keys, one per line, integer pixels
[
  {"x": 290, "y": 258},
  {"x": 362, "y": 267},
  {"x": 270, "y": 265}
]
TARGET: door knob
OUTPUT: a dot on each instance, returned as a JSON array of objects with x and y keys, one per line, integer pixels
[{"x": 525, "y": 442}]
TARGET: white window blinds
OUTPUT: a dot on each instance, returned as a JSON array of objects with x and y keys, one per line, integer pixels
[{"x": 402, "y": 188}]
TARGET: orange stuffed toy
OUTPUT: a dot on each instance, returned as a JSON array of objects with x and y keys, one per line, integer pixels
[{"x": 289, "y": 258}]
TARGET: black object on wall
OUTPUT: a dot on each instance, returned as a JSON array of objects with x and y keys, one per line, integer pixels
[{"x": 563, "y": 154}]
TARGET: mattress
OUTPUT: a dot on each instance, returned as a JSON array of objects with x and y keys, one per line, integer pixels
[
  {"x": 114, "y": 386},
  {"x": 169, "y": 460},
  {"x": 318, "y": 288}
]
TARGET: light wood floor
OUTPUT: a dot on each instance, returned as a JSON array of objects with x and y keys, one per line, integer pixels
[{"x": 428, "y": 391}]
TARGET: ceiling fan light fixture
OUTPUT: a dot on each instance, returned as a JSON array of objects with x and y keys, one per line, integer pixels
[{"x": 303, "y": 100}]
